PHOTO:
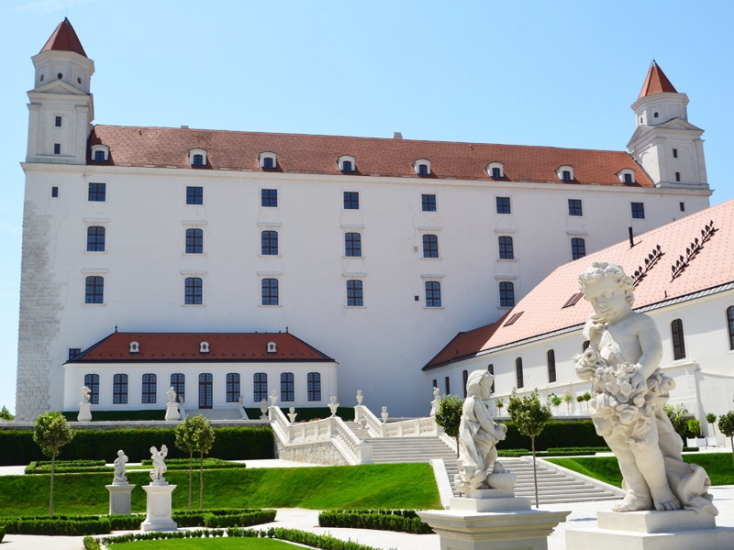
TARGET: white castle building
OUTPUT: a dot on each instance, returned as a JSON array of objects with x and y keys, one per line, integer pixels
[{"x": 373, "y": 252}]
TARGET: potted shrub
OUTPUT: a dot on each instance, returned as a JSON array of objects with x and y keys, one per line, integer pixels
[
  {"x": 694, "y": 428},
  {"x": 711, "y": 419}
]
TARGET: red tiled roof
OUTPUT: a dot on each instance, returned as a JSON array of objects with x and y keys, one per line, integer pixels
[
  {"x": 656, "y": 82},
  {"x": 315, "y": 154},
  {"x": 544, "y": 313},
  {"x": 64, "y": 39},
  {"x": 180, "y": 347}
]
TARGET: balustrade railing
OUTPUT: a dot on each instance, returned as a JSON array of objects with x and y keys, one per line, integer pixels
[{"x": 415, "y": 427}]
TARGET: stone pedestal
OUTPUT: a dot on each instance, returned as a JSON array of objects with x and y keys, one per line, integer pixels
[
  {"x": 171, "y": 411},
  {"x": 120, "y": 498},
  {"x": 85, "y": 412},
  {"x": 492, "y": 520},
  {"x": 158, "y": 509},
  {"x": 652, "y": 530}
]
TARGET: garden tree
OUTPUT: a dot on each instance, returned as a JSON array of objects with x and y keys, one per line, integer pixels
[
  {"x": 726, "y": 427},
  {"x": 579, "y": 400},
  {"x": 204, "y": 442},
  {"x": 530, "y": 416},
  {"x": 51, "y": 432},
  {"x": 694, "y": 427},
  {"x": 499, "y": 403},
  {"x": 587, "y": 398},
  {"x": 568, "y": 400},
  {"x": 185, "y": 442},
  {"x": 449, "y": 416},
  {"x": 678, "y": 415},
  {"x": 555, "y": 400},
  {"x": 5, "y": 414},
  {"x": 711, "y": 419},
  {"x": 195, "y": 435}
]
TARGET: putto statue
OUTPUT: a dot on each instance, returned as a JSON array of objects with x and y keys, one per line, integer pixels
[
  {"x": 119, "y": 464},
  {"x": 478, "y": 435},
  {"x": 171, "y": 393},
  {"x": 628, "y": 393},
  {"x": 159, "y": 467},
  {"x": 85, "y": 391}
]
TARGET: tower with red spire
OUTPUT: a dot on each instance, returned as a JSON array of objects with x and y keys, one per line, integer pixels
[
  {"x": 61, "y": 106},
  {"x": 665, "y": 144}
]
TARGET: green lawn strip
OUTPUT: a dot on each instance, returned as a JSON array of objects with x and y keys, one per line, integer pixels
[
  {"x": 222, "y": 543},
  {"x": 605, "y": 468},
  {"x": 368, "y": 486}
]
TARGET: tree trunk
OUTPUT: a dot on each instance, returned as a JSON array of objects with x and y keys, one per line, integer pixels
[
  {"x": 191, "y": 475},
  {"x": 201, "y": 481},
  {"x": 51, "y": 497},
  {"x": 535, "y": 472}
]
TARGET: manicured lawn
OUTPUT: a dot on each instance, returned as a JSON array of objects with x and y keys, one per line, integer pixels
[
  {"x": 367, "y": 486},
  {"x": 605, "y": 468},
  {"x": 206, "y": 544}
]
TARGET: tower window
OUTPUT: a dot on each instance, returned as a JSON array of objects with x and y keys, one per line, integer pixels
[
  {"x": 95, "y": 238},
  {"x": 430, "y": 246},
  {"x": 506, "y": 248},
  {"x": 503, "y": 205},
  {"x": 194, "y": 195},
  {"x": 682, "y": 206},
  {"x": 351, "y": 200},
  {"x": 57, "y": 121},
  {"x": 677, "y": 176},
  {"x": 428, "y": 203},
  {"x": 355, "y": 297},
  {"x": 193, "y": 291},
  {"x": 57, "y": 148},
  {"x": 638, "y": 210},
  {"x": 270, "y": 292},
  {"x": 578, "y": 248},
  {"x": 433, "y": 294},
  {"x": 269, "y": 197},
  {"x": 269, "y": 243},
  {"x": 507, "y": 294},
  {"x": 574, "y": 207},
  {"x": 55, "y": 192},
  {"x": 353, "y": 245},
  {"x": 94, "y": 290},
  {"x": 675, "y": 153},
  {"x": 194, "y": 241},
  {"x": 97, "y": 192}
]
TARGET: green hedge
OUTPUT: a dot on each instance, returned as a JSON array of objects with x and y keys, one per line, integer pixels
[
  {"x": 406, "y": 521},
  {"x": 232, "y": 443},
  {"x": 113, "y": 416},
  {"x": 58, "y": 527},
  {"x": 67, "y": 467},
  {"x": 557, "y": 433},
  {"x": 183, "y": 463},
  {"x": 2, "y": 533}
]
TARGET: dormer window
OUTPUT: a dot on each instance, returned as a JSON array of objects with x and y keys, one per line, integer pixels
[
  {"x": 271, "y": 347},
  {"x": 626, "y": 176},
  {"x": 268, "y": 161},
  {"x": 197, "y": 157},
  {"x": 565, "y": 173},
  {"x": 346, "y": 164},
  {"x": 422, "y": 167},
  {"x": 204, "y": 347},
  {"x": 134, "y": 347},
  {"x": 496, "y": 170},
  {"x": 100, "y": 153}
]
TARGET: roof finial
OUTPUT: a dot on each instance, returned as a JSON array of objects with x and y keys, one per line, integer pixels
[
  {"x": 115, "y": 328},
  {"x": 286, "y": 329}
]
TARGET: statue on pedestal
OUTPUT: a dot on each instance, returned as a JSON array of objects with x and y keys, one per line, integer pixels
[
  {"x": 478, "y": 436},
  {"x": 333, "y": 405},
  {"x": 436, "y": 403},
  {"x": 119, "y": 464},
  {"x": 628, "y": 393},
  {"x": 171, "y": 393},
  {"x": 292, "y": 415},
  {"x": 159, "y": 467},
  {"x": 85, "y": 391}
]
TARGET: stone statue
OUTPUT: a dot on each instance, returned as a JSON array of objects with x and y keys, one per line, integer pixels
[
  {"x": 159, "y": 467},
  {"x": 264, "y": 409},
  {"x": 119, "y": 463},
  {"x": 360, "y": 397},
  {"x": 384, "y": 414},
  {"x": 85, "y": 391},
  {"x": 478, "y": 435},
  {"x": 292, "y": 414},
  {"x": 436, "y": 403},
  {"x": 273, "y": 398},
  {"x": 333, "y": 405},
  {"x": 628, "y": 393},
  {"x": 171, "y": 393}
]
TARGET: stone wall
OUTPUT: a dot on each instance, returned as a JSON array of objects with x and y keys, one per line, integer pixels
[{"x": 315, "y": 453}]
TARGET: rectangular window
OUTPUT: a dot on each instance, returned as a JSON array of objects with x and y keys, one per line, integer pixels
[
  {"x": 677, "y": 176},
  {"x": 351, "y": 200},
  {"x": 194, "y": 241},
  {"x": 507, "y": 251},
  {"x": 551, "y": 356},
  {"x": 119, "y": 389},
  {"x": 269, "y": 243},
  {"x": 430, "y": 246},
  {"x": 574, "y": 207},
  {"x": 520, "y": 378},
  {"x": 99, "y": 156},
  {"x": 97, "y": 192},
  {"x": 57, "y": 121},
  {"x": 354, "y": 293},
  {"x": 503, "y": 205},
  {"x": 628, "y": 178},
  {"x": 638, "y": 210},
  {"x": 682, "y": 207},
  {"x": 193, "y": 291},
  {"x": 233, "y": 387},
  {"x": 428, "y": 203},
  {"x": 74, "y": 353},
  {"x": 578, "y": 248},
  {"x": 92, "y": 382},
  {"x": 260, "y": 387},
  {"x": 675, "y": 153},
  {"x": 194, "y": 195},
  {"x": 507, "y": 294},
  {"x": 353, "y": 245},
  {"x": 433, "y": 294},
  {"x": 95, "y": 238},
  {"x": 178, "y": 383},
  {"x": 54, "y": 192},
  {"x": 447, "y": 384},
  {"x": 270, "y": 292},
  {"x": 314, "y": 386},
  {"x": 150, "y": 382},
  {"x": 57, "y": 148},
  {"x": 269, "y": 197},
  {"x": 287, "y": 390},
  {"x": 94, "y": 293}
]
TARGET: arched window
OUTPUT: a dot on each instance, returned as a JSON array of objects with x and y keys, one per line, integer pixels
[
  {"x": 206, "y": 390},
  {"x": 269, "y": 243},
  {"x": 507, "y": 294},
  {"x": 194, "y": 241},
  {"x": 314, "y": 386},
  {"x": 260, "y": 386},
  {"x": 433, "y": 294},
  {"x": 193, "y": 291},
  {"x": 518, "y": 373},
  {"x": 578, "y": 248},
  {"x": 353, "y": 245},
  {"x": 430, "y": 246},
  {"x": 94, "y": 293},
  {"x": 464, "y": 379},
  {"x": 178, "y": 383},
  {"x": 270, "y": 292},
  {"x": 287, "y": 387},
  {"x": 730, "y": 322},
  {"x": 551, "y": 355},
  {"x": 679, "y": 345},
  {"x": 149, "y": 388},
  {"x": 507, "y": 251},
  {"x": 119, "y": 389},
  {"x": 355, "y": 296},
  {"x": 95, "y": 238},
  {"x": 490, "y": 370},
  {"x": 197, "y": 160},
  {"x": 233, "y": 387},
  {"x": 92, "y": 382}
]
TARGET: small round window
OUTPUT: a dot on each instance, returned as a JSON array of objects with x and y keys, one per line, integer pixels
[
  {"x": 59, "y": 76},
  {"x": 656, "y": 115}
]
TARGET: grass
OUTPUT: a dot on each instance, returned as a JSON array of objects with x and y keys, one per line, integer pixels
[
  {"x": 718, "y": 466},
  {"x": 206, "y": 544},
  {"x": 366, "y": 486}
]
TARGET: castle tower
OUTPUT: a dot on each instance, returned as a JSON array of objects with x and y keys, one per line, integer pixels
[
  {"x": 665, "y": 144},
  {"x": 61, "y": 107}
]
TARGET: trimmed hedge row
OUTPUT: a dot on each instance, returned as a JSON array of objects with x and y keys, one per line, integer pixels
[
  {"x": 58, "y": 527},
  {"x": 232, "y": 443},
  {"x": 183, "y": 463},
  {"x": 66, "y": 467},
  {"x": 557, "y": 433},
  {"x": 406, "y": 521},
  {"x": 119, "y": 416}
]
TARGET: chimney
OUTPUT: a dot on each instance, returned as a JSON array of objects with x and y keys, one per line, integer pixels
[{"x": 397, "y": 135}]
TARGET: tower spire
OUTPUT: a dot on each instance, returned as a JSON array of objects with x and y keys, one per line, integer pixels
[
  {"x": 656, "y": 82},
  {"x": 64, "y": 39}
]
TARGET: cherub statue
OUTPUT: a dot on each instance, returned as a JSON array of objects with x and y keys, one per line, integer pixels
[
  {"x": 478, "y": 435},
  {"x": 436, "y": 403},
  {"x": 85, "y": 391},
  {"x": 159, "y": 467},
  {"x": 628, "y": 394},
  {"x": 119, "y": 464},
  {"x": 171, "y": 393}
]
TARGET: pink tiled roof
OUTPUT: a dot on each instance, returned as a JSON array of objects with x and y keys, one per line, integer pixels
[
  {"x": 315, "y": 154},
  {"x": 178, "y": 346},
  {"x": 543, "y": 309},
  {"x": 64, "y": 39},
  {"x": 656, "y": 82}
]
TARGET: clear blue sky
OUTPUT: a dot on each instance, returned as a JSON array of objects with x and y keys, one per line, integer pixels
[{"x": 560, "y": 73}]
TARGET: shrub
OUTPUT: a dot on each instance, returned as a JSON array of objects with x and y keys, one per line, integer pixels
[
  {"x": 2, "y": 533},
  {"x": 58, "y": 527},
  {"x": 557, "y": 433},
  {"x": 406, "y": 521}
]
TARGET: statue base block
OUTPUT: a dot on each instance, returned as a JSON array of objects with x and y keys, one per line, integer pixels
[
  {"x": 171, "y": 411},
  {"x": 652, "y": 530},
  {"x": 158, "y": 509},
  {"x": 85, "y": 412},
  {"x": 492, "y": 523},
  {"x": 120, "y": 498}
]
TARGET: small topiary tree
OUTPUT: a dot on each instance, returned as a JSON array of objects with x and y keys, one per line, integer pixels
[
  {"x": 449, "y": 416},
  {"x": 568, "y": 400},
  {"x": 711, "y": 419},
  {"x": 530, "y": 417},
  {"x": 499, "y": 403},
  {"x": 204, "y": 441},
  {"x": 694, "y": 427},
  {"x": 587, "y": 398},
  {"x": 555, "y": 401},
  {"x": 51, "y": 432},
  {"x": 726, "y": 427},
  {"x": 185, "y": 442}
]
